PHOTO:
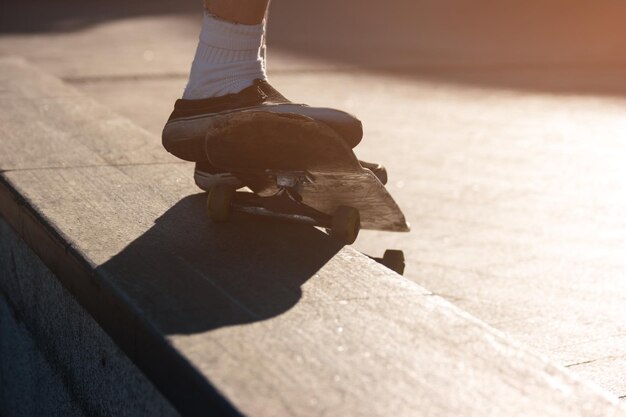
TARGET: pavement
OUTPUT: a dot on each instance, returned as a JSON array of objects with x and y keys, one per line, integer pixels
[{"x": 502, "y": 126}]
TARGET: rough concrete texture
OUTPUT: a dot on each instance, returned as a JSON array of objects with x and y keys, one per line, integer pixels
[
  {"x": 54, "y": 359},
  {"x": 29, "y": 385}
]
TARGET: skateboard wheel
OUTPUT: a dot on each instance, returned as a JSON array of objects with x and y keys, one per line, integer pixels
[
  {"x": 218, "y": 202},
  {"x": 394, "y": 260},
  {"x": 346, "y": 224}
]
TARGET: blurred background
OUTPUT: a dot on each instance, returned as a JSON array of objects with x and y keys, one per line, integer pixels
[
  {"x": 456, "y": 40},
  {"x": 502, "y": 124}
]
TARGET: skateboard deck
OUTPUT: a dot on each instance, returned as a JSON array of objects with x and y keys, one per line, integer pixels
[{"x": 264, "y": 148}]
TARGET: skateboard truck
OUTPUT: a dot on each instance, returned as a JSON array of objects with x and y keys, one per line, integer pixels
[
  {"x": 286, "y": 204},
  {"x": 291, "y": 180}
]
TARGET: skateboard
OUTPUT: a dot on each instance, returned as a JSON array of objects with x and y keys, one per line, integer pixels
[{"x": 300, "y": 170}]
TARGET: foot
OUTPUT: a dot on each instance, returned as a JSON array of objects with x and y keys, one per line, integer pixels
[
  {"x": 207, "y": 176},
  {"x": 184, "y": 132}
]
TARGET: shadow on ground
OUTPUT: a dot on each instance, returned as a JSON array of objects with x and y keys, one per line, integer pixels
[
  {"x": 191, "y": 275},
  {"x": 553, "y": 45}
]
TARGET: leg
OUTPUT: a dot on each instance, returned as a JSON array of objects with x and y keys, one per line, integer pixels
[
  {"x": 228, "y": 57},
  {"x": 247, "y": 12},
  {"x": 228, "y": 75}
]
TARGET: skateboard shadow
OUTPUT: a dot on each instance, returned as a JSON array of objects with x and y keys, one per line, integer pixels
[{"x": 190, "y": 275}]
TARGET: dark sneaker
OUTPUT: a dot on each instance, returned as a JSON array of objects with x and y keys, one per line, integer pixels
[
  {"x": 207, "y": 176},
  {"x": 184, "y": 132}
]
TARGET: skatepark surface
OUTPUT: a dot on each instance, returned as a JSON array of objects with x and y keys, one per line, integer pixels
[{"x": 502, "y": 127}]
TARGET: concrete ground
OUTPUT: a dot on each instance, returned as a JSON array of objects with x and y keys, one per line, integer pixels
[{"x": 502, "y": 127}]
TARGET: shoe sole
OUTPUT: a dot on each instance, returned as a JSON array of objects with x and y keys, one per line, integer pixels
[
  {"x": 184, "y": 137},
  {"x": 258, "y": 140}
]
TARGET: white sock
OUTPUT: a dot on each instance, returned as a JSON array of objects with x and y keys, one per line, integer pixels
[{"x": 228, "y": 58}]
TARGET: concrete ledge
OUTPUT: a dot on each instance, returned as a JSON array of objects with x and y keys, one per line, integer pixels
[{"x": 244, "y": 318}]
